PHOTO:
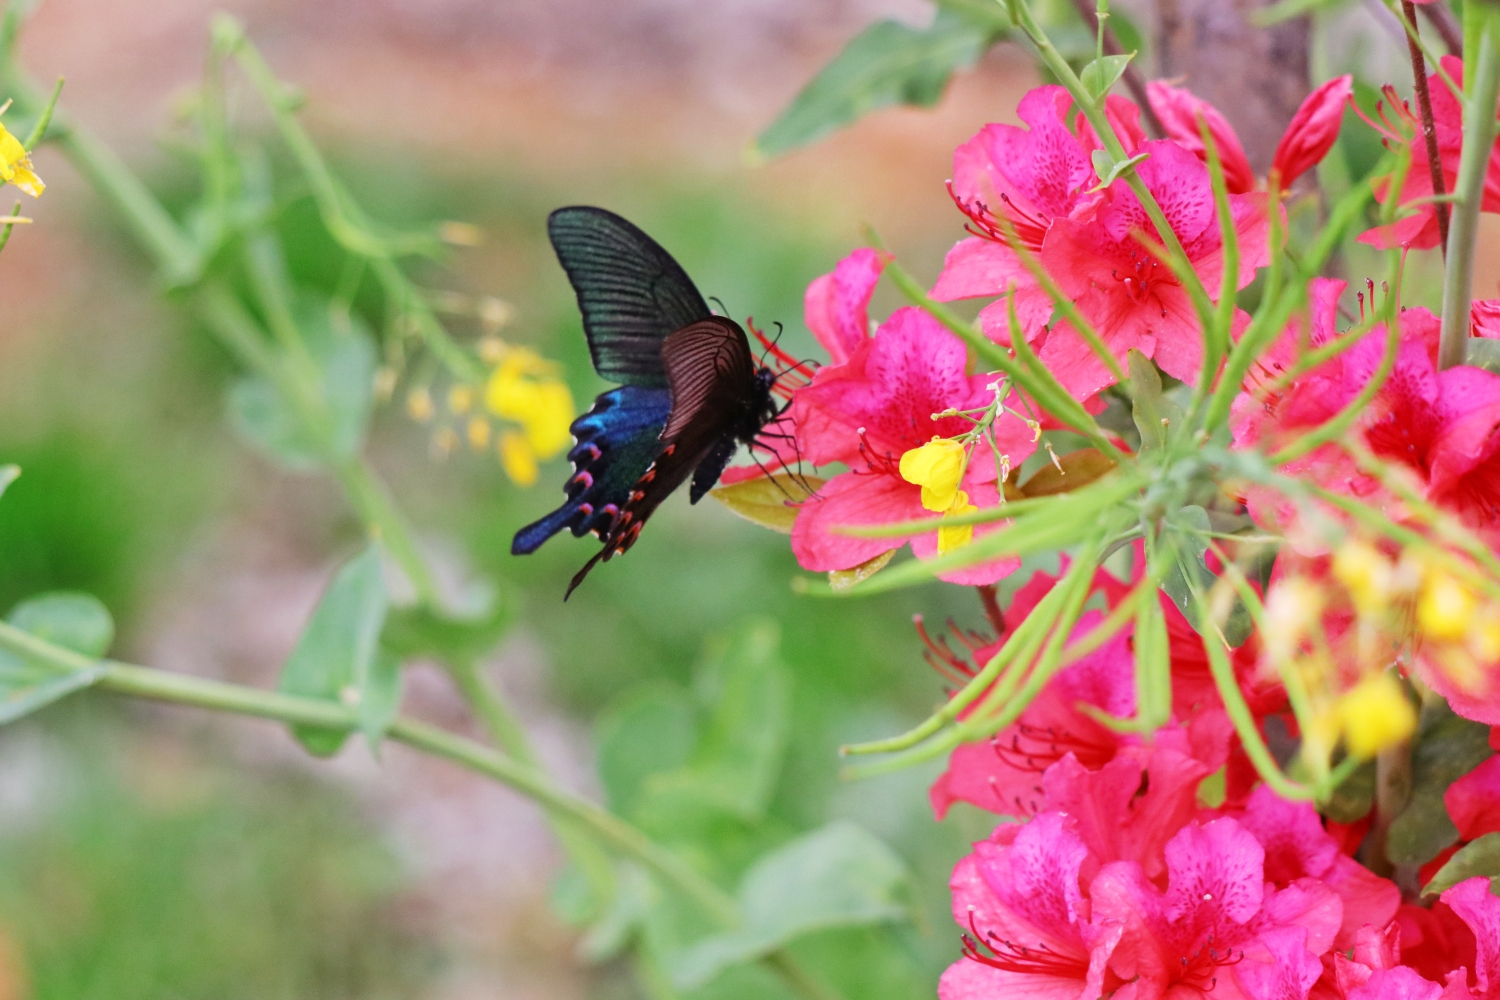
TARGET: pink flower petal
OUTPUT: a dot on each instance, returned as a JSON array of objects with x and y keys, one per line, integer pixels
[{"x": 1473, "y": 801}]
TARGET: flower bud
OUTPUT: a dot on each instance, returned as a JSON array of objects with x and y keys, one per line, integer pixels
[
  {"x": 1313, "y": 130},
  {"x": 1375, "y": 714}
]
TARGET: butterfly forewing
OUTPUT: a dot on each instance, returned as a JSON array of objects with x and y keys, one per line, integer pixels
[{"x": 632, "y": 294}]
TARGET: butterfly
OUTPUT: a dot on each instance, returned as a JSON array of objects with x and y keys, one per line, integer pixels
[{"x": 690, "y": 391}]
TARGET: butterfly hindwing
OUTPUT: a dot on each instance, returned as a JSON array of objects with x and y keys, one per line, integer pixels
[
  {"x": 632, "y": 294},
  {"x": 615, "y": 442},
  {"x": 714, "y": 399}
]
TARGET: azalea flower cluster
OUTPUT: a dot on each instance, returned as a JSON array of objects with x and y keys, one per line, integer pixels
[{"x": 1299, "y": 512}]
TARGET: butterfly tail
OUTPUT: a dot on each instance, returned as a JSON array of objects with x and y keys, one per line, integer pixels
[
  {"x": 578, "y": 577},
  {"x": 531, "y": 537}
]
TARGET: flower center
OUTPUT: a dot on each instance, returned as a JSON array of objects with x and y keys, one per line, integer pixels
[
  {"x": 1144, "y": 272},
  {"x": 1010, "y": 956}
]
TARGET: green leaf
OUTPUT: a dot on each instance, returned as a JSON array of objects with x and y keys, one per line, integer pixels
[
  {"x": 1109, "y": 169},
  {"x": 887, "y": 63},
  {"x": 1351, "y": 801},
  {"x": 1078, "y": 469},
  {"x": 1447, "y": 747},
  {"x": 652, "y": 731},
  {"x": 1478, "y": 857},
  {"x": 462, "y": 634},
  {"x": 1186, "y": 531},
  {"x": 274, "y": 426},
  {"x": 738, "y": 757},
  {"x": 24, "y": 688},
  {"x": 75, "y": 621},
  {"x": 769, "y": 501},
  {"x": 837, "y": 876},
  {"x": 8, "y": 475},
  {"x": 1154, "y": 415},
  {"x": 1101, "y": 74},
  {"x": 1482, "y": 352},
  {"x": 843, "y": 579},
  {"x": 336, "y": 657}
]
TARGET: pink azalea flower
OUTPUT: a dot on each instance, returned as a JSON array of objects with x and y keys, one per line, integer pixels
[
  {"x": 1179, "y": 111},
  {"x": 1298, "y": 847},
  {"x": 1477, "y": 907},
  {"x": 1005, "y": 774},
  {"x": 1132, "y": 300},
  {"x": 1218, "y": 928},
  {"x": 1019, "y": 898},
  {"x": 869, "y": 412},
  {"x": 836, "y": 306},
  {"x": 1473, "y": 801},
  {"x": 1441, "y": 425},
  {"x": 1420, "y": 230}
]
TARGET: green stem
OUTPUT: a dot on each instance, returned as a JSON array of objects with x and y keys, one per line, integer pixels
[
  {"x": 1473, "y": 164},
  {"x": 369, "y": 495},
  {"x": 198, "y": 692}
]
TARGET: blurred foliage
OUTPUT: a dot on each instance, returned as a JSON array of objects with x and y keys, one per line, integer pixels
[{"x": 130, "y": 868}]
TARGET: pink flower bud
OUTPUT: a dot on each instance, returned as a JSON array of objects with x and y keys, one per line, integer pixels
[
  {"x": 1179, "y": 111},
  {"x": 1313, "y": 130}
]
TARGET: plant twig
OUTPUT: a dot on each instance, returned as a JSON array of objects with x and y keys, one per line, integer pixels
[
  {"x": 1447, "y": 28},
  {"x": 992, "y": 611},
  {"x": 1429, "y": 127},
  {"x": 1132, "y": 77}
]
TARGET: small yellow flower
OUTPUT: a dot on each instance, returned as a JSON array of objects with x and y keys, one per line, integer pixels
[
  {"x": 937, "y": 467},
  {"x": 460, "y": 399},
  {"x": 478, "y": 433},
  {"x": 524, "y": 388},
  {"x": 961, "y": 535},
  {"x": 1445, "y": 607},
  {"x": 1293, "y": 607},
  {"x": 1375, "y": 714},
  {"x": 444, "y": 442},
  {"x": 517, "y": 459},
  {"x": 1368, "y": 576},
  {"x": 419, "y": 405},
  {"x": 15, "y": 165}
]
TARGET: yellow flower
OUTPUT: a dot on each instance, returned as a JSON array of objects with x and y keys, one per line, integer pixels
[
  {"x": 479, "y": 433},
  {"x": 524, "y": 388},
  {"x": 961, "y": 535},
  {"x": 937, "y": 467},
  {"x": 15, "y": 165},
  {"x": 1293, "y": 607},
  {"x": 517, "y": 458},
  {"x": 419, "y": 405},
  {"x": 1368, "y": 575},
  {"x": 460, "y": 399},
  {"x": 1375, "y": 714},
  {"x": 1445, "y": 607}
]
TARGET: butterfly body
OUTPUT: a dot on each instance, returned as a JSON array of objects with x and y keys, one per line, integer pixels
[{"x": 692, "y": 392}]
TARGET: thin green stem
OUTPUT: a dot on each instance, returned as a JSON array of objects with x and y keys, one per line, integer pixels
[
  {"x": 5, "y": 233},
  {"x": 39, "y": 131},
  {"x": 1473, "y": 165}
]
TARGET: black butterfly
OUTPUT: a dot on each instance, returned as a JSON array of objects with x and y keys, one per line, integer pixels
[{"x": 692, "y": 392}]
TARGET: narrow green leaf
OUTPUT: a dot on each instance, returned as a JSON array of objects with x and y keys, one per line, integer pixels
[
  {"x": 1153, "y": 672},
  {"x": 279, "y": 429},
  {"x": 837, "y": 876},
  {"x": 75, "y": 621},
  {"x": 887, "y": 63},
  {"x": 1478, "y": 857},
  {"x": 769, "y": 501},
  {"x": 1101, "y": 74},
  {"x": 1154, "y": 414},
  {"x": 335, "y": 659}
]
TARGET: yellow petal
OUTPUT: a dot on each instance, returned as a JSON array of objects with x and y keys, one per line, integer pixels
[
  {"x": 1445, "y": 607},
  {"x": 1376, "y": 714},
  {"x": 517, "y": 459},
  {"x": 15, "y": 165},
  {"x": 479, "y": 433},
  {"x": 937, "y": 467},
  {"x": 959, "y": 535}
]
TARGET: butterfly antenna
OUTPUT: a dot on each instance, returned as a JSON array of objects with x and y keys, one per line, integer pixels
[
  {"x": 723, "y": 309},
  {"x": 789, "y": 363}
]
